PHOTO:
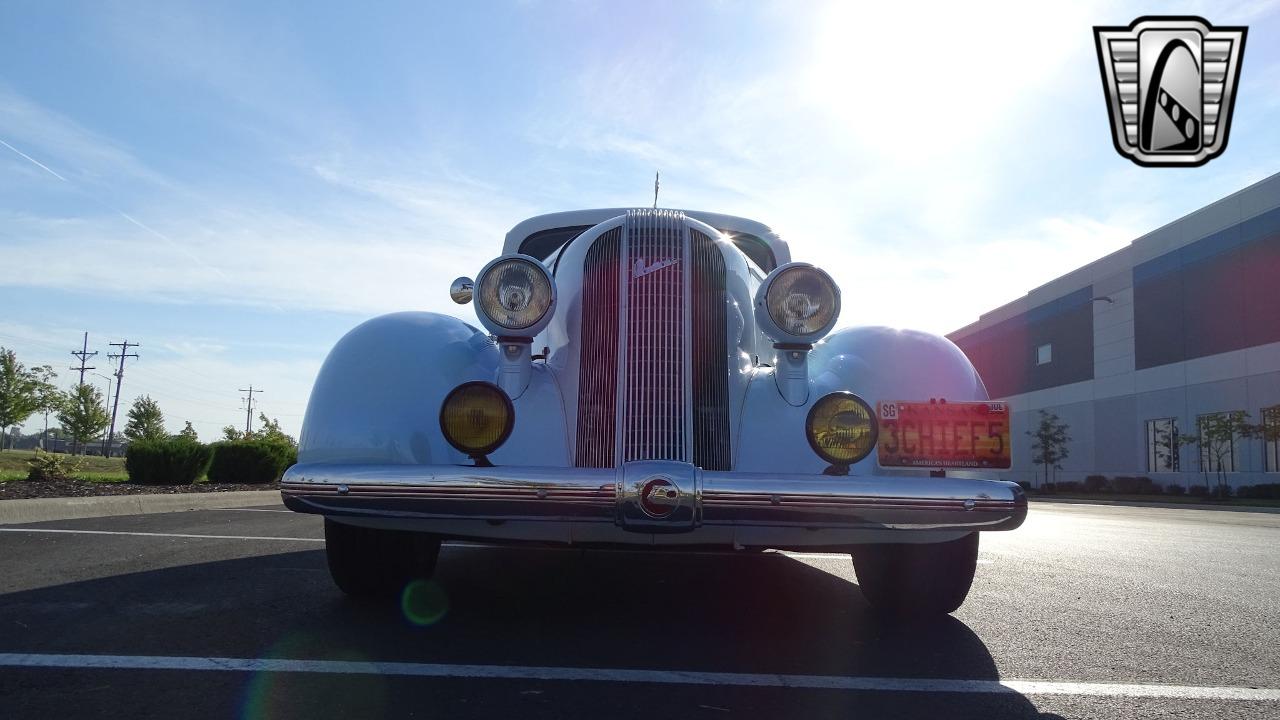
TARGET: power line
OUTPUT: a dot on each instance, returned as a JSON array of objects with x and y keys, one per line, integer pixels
[
  {"x": 84, "y": 355},
  {"x": 248, "y": 408},
  {"x": 115, "y": 406}
]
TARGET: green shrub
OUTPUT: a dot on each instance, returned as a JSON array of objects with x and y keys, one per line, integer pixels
[
  {"x": 52, "y": 466},
  {"x": 1261, "y": 491},
  {"x": 1198, "y": 491},
  {"x": 1146, "y": 486},
  {"x": 1070, "y": 486},
  {"x": 1221, "y": 492},
  {"x": 1095, "y": 483},
  {"x": 1175, "y": 489},
  {"x": 173, "y": 461},
  {"x": 250, "y": 461}
]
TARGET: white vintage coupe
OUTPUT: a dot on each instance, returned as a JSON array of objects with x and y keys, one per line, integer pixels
[{"x": 654, "y": 378}]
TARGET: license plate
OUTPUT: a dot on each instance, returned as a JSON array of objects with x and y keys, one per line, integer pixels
[{"x": 944, "y": 434}]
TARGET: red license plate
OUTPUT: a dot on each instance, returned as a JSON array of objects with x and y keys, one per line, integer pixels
[{"x": 944, "y": 434}]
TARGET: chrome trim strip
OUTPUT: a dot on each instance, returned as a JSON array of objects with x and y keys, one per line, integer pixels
[{"x": 589, "y": 494}]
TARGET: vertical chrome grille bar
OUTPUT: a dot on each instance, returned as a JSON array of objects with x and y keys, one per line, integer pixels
[
  {"x": 655, "y": 367},
  {"x": 653, "y": 379},
  {"x": 710, "y": 354},
  {"x": 598, "y": 355}
]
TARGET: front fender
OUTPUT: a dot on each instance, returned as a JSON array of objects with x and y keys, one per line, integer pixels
[
  {"x": 377, "y": 397},
  {"x": 876, "y": 363}
]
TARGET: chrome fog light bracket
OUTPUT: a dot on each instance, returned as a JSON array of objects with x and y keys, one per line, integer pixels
[
  {"x": 515, "y": 365},
  {"x": 791, "y": 372}
]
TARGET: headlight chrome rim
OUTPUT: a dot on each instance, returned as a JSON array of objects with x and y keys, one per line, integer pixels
[
  {"x": 504, "y": 434},
  {"x": 766, "y": 309},
  {"x": 541, "y": 290},
  {"x": 820, "y": 405}
]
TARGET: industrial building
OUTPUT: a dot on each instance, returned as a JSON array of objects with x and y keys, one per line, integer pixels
[{"x": 1138, "y": 348}]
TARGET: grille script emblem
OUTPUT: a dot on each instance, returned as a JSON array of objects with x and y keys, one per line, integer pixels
[
  {"x": 1170, "y": 84},
  {"x": 640, "y": 269}
]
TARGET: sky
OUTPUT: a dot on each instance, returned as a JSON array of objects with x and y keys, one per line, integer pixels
[{"x": 236, "y": 185}]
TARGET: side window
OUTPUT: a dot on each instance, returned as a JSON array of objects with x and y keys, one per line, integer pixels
[
  {"x": 1271, "y": 438},
  {"x": 1217, "y": 443},
  {"x": 1044, "y": 354},
  {"x": 1162, "y": 445}
]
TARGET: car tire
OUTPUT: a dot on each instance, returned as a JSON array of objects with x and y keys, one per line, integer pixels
[
  {"x": 914, "y": 579},
  {"x": 367, "y": 562}
]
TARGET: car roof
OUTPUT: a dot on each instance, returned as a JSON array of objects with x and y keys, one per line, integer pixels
[{"x": 575, "y": 218}]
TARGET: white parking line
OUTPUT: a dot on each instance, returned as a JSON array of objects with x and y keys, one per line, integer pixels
[
  {"x": 154, "y": 534},
  {"x": 252, "y": 510},
  {"x": 665, "y": 677}
]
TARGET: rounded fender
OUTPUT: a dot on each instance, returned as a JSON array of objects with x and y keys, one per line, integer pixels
[
  {"x": 881, "y": 363},
  {"x": 876, "y": 363},
  {"x": 377, "y": 397}
]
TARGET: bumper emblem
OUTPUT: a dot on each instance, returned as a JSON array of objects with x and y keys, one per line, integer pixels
[{"x": 659, "y": 498}]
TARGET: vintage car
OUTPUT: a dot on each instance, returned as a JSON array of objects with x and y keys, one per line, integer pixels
[{"x": 654, "y": 378}]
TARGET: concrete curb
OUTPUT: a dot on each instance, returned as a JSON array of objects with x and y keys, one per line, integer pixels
[
  {"x": 1162, "y": 506},
  {"x": 70, "y": 508}
]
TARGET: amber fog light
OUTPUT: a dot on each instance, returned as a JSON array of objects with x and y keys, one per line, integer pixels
[
  {"x": 476, "y": 418},
  {"x": 842, "y": 428}
]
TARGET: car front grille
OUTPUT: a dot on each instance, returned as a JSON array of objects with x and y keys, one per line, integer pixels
[
  {"x": 598, "y": 365},
  {"x": 654, "y": 300}
]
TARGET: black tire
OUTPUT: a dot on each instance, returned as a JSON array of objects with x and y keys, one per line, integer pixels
[
  {"x": 917, "y": 579},
  {"x": 365, "y": 562}
]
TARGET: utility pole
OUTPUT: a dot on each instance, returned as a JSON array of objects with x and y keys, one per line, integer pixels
[
  {"x": 84, "y": 355},
  {"x": 248, "y": 409},
  {"x": 115, "y": 405}
]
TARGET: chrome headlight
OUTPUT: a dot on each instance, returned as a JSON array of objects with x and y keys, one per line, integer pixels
[
  {"x": 797, "y": 303},
  {"x": 515, "y": 296}
]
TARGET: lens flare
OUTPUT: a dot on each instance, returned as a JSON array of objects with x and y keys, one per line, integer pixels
[
  {"x": 423, "y": 603},
  {"x": 271, "y": 695}
]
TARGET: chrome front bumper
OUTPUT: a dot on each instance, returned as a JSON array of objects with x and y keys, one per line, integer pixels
[{"x": 653, "y": 497}]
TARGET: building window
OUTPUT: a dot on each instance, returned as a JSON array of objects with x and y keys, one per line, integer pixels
[
  {"x": 1162, "y": 445},
  {"x": 1271, "y": 438},
  {"x": 1044, "y": 354},
  {"x": 1217, "y": 445}
]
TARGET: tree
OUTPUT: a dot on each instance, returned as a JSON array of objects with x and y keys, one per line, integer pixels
[
  {"x": 1050, "y": 442},
  {"x": 83, "y": 414},
  {"x": 22, "y": 391},
  {"x": 1216, "y": 442},
  {"x": 271, "y": 432},
  {"x": 146, "y": 422},
  {"x": 189, "y": 433},
  {"x": 268, "y": 429}
]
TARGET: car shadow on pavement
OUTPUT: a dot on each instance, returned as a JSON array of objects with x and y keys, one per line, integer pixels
[{"x": 740, "y": 613}]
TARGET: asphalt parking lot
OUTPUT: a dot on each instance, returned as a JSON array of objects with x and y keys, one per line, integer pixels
[{"x": 1087, "y": 611}]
